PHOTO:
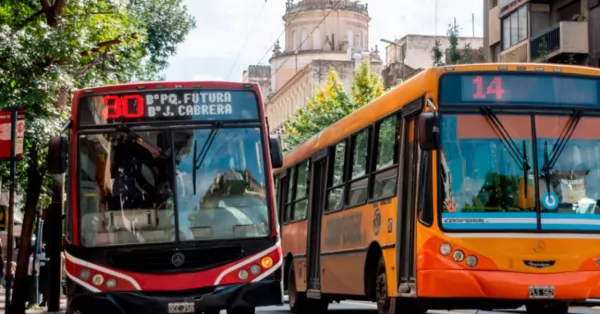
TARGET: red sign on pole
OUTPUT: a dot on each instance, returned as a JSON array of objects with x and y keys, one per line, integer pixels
[{"x": 5, "y": 133}]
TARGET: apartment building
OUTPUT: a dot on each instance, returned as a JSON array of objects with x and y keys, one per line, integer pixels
[{"x": 560, "y": 31}]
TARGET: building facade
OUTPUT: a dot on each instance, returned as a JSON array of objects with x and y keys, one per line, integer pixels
[
  {"x": 561, "y": 31},
  {"x": 319, "y": 35},
  {"x": 412, "y": 53}
]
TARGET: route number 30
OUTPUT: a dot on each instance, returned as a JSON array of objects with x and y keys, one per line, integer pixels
[
  {"x": 127, "y": 106},
  {"x": 492, "y": 90}
]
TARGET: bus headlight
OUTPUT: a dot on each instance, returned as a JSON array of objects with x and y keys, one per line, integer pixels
[
  {"x": 98, "y": 279},
  {"x": 243, "y": 274},
  {"x": 255, "y": 269},
  {"x": 111, "y": 283},
  {"x": 471, "y": 261},
  {"x": 445, "y": 249},
  {"x": 458, "y": 256},
  {"x": 84, "y": 274}
]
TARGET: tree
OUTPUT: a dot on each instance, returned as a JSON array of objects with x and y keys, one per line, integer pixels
[
  {"x": 467, "y": 54},
  {"x": 542, "y": 50},
  {"x": 49, "y": 48},
  {"x": 331, "y": 103},
  {"x": 454, "y": 55},
  {"x": 366, "y": 86},
  {"x": 437, "y": 54}
]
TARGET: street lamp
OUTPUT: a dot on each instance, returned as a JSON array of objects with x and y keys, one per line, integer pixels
[{"x": 402, "y": 52}]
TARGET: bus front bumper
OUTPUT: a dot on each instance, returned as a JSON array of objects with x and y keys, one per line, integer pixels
[
  {"x": 476, "y": 284},
  {"x": 241, "y": 296}
]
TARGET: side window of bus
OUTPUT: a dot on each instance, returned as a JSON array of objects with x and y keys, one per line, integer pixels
[
  {"x": 301, "y": 192},
  {"x": 386, "y": 160},
  {"x": 289, "y": 204},
  {"x": 357, "y": 186},
  {"x": 335, "y": 182}
]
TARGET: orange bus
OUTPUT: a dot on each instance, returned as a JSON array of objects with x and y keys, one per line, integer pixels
[{"x": 466, "y": 187}]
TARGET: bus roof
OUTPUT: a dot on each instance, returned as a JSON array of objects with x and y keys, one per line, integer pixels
[
  {"x": 170, "y": 85},
  {"x": 404, "y": 93}
]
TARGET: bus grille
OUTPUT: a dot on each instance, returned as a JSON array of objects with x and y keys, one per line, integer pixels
[{"x": 163, "y": 261}]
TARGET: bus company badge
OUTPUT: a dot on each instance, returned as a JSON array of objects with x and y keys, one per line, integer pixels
[
  {"x": 177, "y": 259},
  {"x": 376, "y": 221}
]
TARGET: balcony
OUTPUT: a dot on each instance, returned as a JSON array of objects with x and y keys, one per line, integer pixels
[{"x": 565, "y": 39}]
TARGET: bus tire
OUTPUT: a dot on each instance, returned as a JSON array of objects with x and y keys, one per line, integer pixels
[
  {"x": 548, "y": 308},
  {"x": 299, "y": 303},
  {"x": 392, "y": 305}
]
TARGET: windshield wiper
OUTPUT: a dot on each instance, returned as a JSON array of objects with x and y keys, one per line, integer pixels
[
  {"x": 508, "y": 143},
  {"x": 559, "y": 147},
  {"x": 561, "y": 143},
  {"x": 199, "y": 158},
  {"x": 153, "y": 149}
]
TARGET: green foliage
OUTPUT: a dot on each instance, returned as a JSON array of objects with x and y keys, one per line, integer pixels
[
  {"x": 480, "y": 54},
  {"x": 50, "y": 48},
  {"x": 543, "y": 51},
  {"x": 366, "y": 86},
  {"x": 437, "y": 54},
  {"x": 467, "y": 54},
  {"x": 454, "y": 55},
  {"x": 331, "y": 103}
]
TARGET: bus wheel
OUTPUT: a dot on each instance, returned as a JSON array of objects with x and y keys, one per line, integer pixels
[
  {"x": 299, "y": 303},
  {"x": 548, "y": 308},
  {"x": 391, "y": 305}
]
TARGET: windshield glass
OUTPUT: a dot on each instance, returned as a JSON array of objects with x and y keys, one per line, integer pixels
[
  {"x": 230, "y": 197},
  {"x": 570, "y": 182},
  {"x": 486, "y": 181},
  {"x": 126, "y": 193}
]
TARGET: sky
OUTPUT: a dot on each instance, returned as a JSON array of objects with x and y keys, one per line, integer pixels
[{"x": 226, "y": 29}]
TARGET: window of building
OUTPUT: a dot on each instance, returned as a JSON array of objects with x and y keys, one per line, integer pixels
[
  {"x": 294, "y": 40},
  {"x": 569, "y": 11},
  {"x": 304, "y": 42},
  {"x": 316, "y": 39},
  {"x": 514, "y": 28},
  {"x": 350, "y": 39},
  {"x": 504, "y": 3},
  {"x": 493, "y": 3}
]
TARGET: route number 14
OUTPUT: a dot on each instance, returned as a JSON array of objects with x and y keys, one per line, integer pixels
[{"x": 492, "y": 90}]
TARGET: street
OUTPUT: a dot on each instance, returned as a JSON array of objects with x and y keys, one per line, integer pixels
[{"x": 353, "y": 307}]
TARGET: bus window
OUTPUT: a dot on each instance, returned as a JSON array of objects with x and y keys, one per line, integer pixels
[
  {"x": 358, "y": 188},
  {"x": 289, "y": 204},
  {"x": 301, "y": 195},
  {"x": 385, "y": 180},
  {"x": 125, "y": 194},
  {"x": 336, "y": 181}
]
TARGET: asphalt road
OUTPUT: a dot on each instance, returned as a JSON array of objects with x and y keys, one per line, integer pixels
[{"x": 352, "y": 307}]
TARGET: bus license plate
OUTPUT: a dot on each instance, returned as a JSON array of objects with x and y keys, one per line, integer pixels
[
  {"x": 541, "y": 292},
  {"x": 182, "y": 307}
]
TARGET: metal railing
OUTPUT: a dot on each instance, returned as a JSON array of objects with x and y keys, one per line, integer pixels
[
  {"x": 547, "y": 42},
  {"x": 307, "y": 6}
]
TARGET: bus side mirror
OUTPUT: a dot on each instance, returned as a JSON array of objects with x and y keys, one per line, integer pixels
[
  {"x": 276, "y": 151},
  {"x": 58, "y": 150},
  {"x": 427, "y": 130}
]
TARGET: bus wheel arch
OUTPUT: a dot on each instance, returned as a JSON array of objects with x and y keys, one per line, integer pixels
[
  {"x": 289, "y": 259},
  {"x": 374, "y": 253}
]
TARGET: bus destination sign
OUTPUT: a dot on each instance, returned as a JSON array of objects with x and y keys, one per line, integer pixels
[
  {"x": 520, "y": 88},
  {"x": 182, "y": 105}
]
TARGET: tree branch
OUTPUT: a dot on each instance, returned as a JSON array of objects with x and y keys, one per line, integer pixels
[{"x": 29, "y": 20}]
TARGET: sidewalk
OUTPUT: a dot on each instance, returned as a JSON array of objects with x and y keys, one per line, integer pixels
[{"x": 38, "y": 310}]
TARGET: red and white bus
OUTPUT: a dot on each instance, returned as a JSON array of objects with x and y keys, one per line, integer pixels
[{"x": 170, "y": 199}]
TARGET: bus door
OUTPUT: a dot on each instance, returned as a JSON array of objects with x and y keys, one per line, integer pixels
[
  {"x": 407, "y": 184},
  {"x": 318, "y": 181}
]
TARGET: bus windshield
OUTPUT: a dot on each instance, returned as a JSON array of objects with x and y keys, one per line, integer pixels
[
  {"x": 488, "y": 183},
  {"x": 136, "y": 187}
]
